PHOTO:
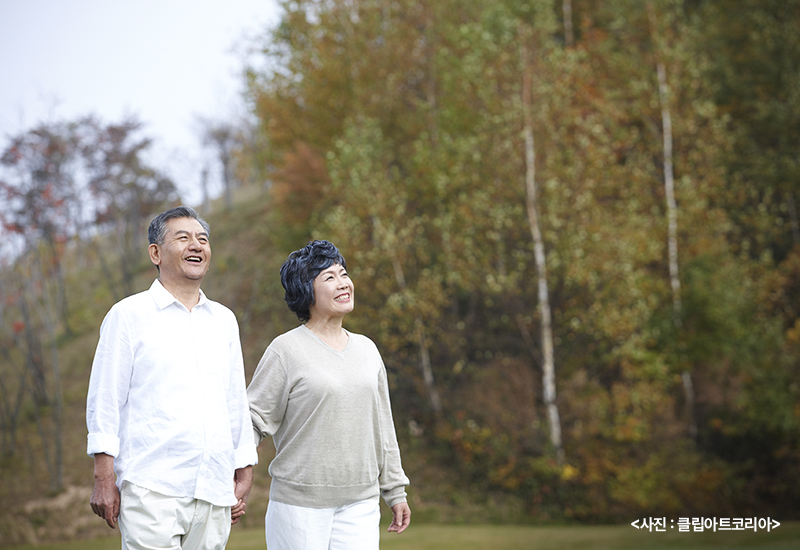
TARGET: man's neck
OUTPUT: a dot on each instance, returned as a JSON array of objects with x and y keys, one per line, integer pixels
[{"x": 186, "y": 292}]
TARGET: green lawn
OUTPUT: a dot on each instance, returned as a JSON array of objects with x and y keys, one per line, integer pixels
[{"x": 515, "y": 537}]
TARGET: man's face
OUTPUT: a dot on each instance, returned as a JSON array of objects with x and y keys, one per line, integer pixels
[{"x": 185, "y": 253}]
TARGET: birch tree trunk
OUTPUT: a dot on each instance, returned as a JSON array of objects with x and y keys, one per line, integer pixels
[
  {"x": 10, "y": 400},
  {"x": 433, "y": 130},
  {"x": 422, "y": 342},
  {"x": 793, "y": 217},
  {"x": 569, "y": 35},
  {"x": 47, "y": 316},
  {"x": 672, "y": 222},
  {"x": 419, "y": 327},
  {"x": 548, "y": 362},
  {"x": 204, "y": 187}
]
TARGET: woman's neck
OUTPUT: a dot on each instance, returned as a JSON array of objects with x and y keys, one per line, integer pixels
[{"x": 329, "y": 331}]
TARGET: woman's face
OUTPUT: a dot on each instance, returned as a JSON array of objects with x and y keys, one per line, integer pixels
[{"x": 333, "y": 293}]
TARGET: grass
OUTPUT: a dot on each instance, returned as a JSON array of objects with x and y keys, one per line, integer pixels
[{"x": 516, "y": 537}]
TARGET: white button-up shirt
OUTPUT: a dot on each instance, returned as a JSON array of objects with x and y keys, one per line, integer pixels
[{"x": 167, "y": 397}]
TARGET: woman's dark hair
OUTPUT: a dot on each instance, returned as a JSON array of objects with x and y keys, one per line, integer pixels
[{"x": 299, "y": 271}]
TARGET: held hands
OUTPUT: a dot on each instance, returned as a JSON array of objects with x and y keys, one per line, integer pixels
[
  {"x": 238, "y": 511},
  {"x": 401, "y": 517},
  {"x": 242, "y": 482}
]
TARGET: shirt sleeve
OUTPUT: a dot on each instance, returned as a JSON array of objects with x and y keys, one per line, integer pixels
[
  {"x": 109, "y": 383},
  {"x": 245, "y": 453},
  {"x": 268, "y": 394},
  {"x": 392, "y": 478}
]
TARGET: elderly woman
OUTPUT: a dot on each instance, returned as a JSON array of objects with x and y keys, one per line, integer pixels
[{"x": 321, "y": 392}]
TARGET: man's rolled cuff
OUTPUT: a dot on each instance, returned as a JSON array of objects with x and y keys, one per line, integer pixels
[
  {"x": 245, "y": 456},
  {"x": 102, "y": 443}
]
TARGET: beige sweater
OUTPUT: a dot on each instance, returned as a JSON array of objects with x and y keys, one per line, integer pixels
[{"x": 329, "y": 415}]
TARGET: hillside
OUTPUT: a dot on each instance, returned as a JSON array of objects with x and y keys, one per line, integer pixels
[
  {"x": 579, "y": 257},
  {"x": 243, "y": 265},
  {"x": 244, "y": 276}
]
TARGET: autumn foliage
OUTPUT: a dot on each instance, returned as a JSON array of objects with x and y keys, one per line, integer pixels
[
  {"x": 400, "y": 131},
  {"x": 416, "y": 108}
]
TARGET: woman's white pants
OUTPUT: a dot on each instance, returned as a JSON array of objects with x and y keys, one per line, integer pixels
[{"x": 350, "y": 527}]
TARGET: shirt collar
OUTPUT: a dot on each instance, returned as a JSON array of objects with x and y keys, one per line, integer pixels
[{"x": 164, "y": 298}]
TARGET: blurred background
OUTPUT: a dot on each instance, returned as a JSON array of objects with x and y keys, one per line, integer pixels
[{"x": 572, "y": 225}]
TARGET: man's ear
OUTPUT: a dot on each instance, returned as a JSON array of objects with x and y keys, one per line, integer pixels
[{"x": 155, "y": 254}]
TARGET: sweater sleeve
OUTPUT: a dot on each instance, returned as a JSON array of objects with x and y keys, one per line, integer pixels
[
  {"x": 392, "y": 478},
  {"x": 268, "y": 394},
  {"x": 238, "y": 411}
]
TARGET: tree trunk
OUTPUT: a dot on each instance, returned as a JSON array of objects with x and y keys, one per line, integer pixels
[
  {"x": 227, "y": 181},
  {"x": 569, "y": 36},
  {"x": 548, "y": 361},
  {"x": 430, "y": 88},
  {"x": 9, "y": 411},
  {"x": 100, "y": 254},
  {"x": 422, "y": 343},
  {"x": 33, "y": 354},
  {"x": 672, "y": 224},
  {"x": 60, "y": 280},
  {"x": 793, "y": 217},
  {"x": 204, "y": 187},
  {"x": 47, "y": 315}
]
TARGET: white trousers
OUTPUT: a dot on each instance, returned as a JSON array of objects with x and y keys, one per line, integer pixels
[
  {"x": 350, "y": 527},
  {"x": 152, "y": 521}
]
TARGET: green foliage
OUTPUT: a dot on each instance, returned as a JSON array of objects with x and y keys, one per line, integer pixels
[
  {"x": 394, "y": 129},
  {"x": 409, "y": 115}
]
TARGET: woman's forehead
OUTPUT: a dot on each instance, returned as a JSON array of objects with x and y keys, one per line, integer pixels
[{"x": 334, "y": 268}]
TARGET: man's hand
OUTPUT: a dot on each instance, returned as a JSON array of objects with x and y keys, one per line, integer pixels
[
  {"x": 105, "y": 495},
  {"x": 401, "y": 517},
  {"x": 242, "y": 483}
]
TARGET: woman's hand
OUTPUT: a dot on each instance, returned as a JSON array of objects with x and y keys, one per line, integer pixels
[{"x": 401, "y": 517}]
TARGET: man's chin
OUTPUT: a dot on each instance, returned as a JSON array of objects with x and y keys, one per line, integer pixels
[{"x": 194, "y": 276}]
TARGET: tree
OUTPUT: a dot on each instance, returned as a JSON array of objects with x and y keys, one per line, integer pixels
[
  {"x": 672, "y": 209},
  {"x": 63, "y": 182},
  {"x": 532, "y": 206},
  {"x": 41, "y": 195},
  {"x": 755, "y": 71},
  {"x": 124, "y": 191},
  {"x": 224, "y": 139},
  {"x": 398, "y": 130}
]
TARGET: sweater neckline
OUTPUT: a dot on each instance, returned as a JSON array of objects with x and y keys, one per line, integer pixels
[{"x": 324, "y": 343}]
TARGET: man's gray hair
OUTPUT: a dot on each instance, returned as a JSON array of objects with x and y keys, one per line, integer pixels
[{"x": 157, "y": 231}]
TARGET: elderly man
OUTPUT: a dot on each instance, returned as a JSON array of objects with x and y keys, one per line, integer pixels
[{"x": 167, "y": 409}]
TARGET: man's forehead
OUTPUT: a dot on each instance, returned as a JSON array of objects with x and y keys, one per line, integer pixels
[{"x": 188, "y": 225}]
